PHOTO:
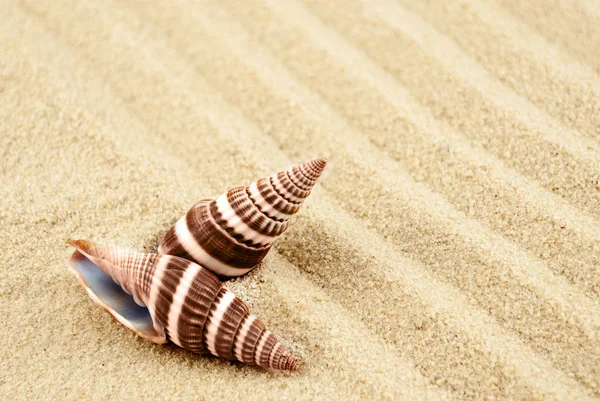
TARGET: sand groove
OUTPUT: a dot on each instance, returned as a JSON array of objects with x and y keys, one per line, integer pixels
[
  {"x": 252, "y": 139},
  {"x": 430, "y": 148},
  {"x": 521, "y": 127},
  {"x": 566, "y": 24},
  {"x": 385, "y": 366},
  {"x": 237, "y": 80},
  {"x": 393, "y": 285},
  {"x": 226, "y": 128},
  {"x": 523, "y": 60}
]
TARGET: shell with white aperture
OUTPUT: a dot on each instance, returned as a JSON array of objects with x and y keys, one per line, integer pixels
[{"x": 166, "y": 298}]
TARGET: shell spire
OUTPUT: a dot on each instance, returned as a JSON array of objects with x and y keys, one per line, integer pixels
[
  {"x": 163, "y": 297},
  {"x": 232, "y": 233}
]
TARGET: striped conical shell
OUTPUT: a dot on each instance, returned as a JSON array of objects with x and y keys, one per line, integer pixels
[
  {"x": 231, "y": 234},
  {"x": 186, "y": 303}
]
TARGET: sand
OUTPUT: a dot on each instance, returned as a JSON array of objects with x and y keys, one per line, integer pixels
[{"x": 450, "y": 251}]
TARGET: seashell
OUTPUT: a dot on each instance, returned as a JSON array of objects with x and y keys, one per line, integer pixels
[
  {"x": 232, "y": 233},
  {"x": 163, "y": 297}
]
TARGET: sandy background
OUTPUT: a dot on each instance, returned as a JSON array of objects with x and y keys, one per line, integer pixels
[{"x": 451, "y": 251}]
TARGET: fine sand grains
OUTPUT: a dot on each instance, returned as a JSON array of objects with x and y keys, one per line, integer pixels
[{"x": 451, "y": 250}]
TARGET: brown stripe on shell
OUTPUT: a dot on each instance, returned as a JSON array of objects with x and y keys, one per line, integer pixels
[
  {"x": 275, "y": 228},
  {"x": 279, "y": 203},
  {"x": 168, "y": 285},
  {"x": 250, "y": 214},
  {"x": 230, "y": 230},
  {"x": 263, "y": 211},
  {"x": 218, "y": 243},
  {"x": 242, "y": 205},
  {"x": 288, "y": 184},
  {"x": 295, "y": 177},
  {"x": 212, "y": 309},
  {"x": 281, "y": 191},
  {"x": 267, "y": 349},
  {"x": 204, "y": 294},
  {"x": 286, "y": 188},
  {"x": 194, "y": 312},
  {"x": 277, "y": 352},
  {"x": 170, "y": 245},
  {"x": 228, "y": 328},
  {"x": 139, "y": 268},
  {"x": 287, "y": 361},
  {"x": 238, "y": 333},
  {"x": 272, "y": 184},
  {"x": 316, "y": 166},
  {"x": 251, "y": 341},
  {"x": 144, "y": 274},
  {"x": 148, "y": 273},
  {"x": 307, "y": 173},
  {"x": 261, "y": 337},
  {"x": 306, "y": 183}
]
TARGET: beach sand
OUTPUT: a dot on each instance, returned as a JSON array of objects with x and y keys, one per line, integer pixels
[{"x": 450, "y": 251}]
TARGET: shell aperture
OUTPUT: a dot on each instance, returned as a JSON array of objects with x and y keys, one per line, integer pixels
[{"x": 163, "y": 297}]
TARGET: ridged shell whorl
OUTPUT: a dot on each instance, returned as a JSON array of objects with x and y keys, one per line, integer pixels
[
  {"x": 231, "y": 234},
  {"x": 182, "y": 302}
]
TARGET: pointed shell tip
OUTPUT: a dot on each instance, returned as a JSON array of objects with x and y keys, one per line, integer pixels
[
  {"x": 289, "y": 362},
  {"x": 317, "y": 166},
  {"x": 76, "y": 243}
]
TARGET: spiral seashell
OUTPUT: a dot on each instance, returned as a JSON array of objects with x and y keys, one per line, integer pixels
[
  {"x": 163, "y": 297},
  {"x": 231, "y": 234}
]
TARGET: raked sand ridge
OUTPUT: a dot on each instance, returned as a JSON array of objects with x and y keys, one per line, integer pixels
[{"x": 451, "y": 250}]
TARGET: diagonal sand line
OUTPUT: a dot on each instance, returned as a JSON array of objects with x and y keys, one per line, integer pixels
[
  {"x": 445, "y": 301},
  {"x": 382, "y": 377},
  {"x": 587, "y": 167},
  {"x": 454, "y": 59},
  {"x": 532, "y": 66},
  {"x": 323, "y": 316},
  {"x": 529, "y": 41},
  {"x": 228, "y": 129},
  {"x": 590, "y": 6},
  {"x": 280, "y": 81},
  {"x": 568, "y": 25},
  {"x": 464, "y": 67},
  {"x": 391, "y": 175}
]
